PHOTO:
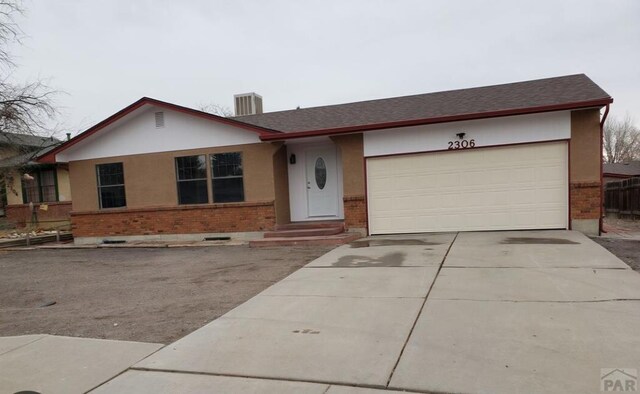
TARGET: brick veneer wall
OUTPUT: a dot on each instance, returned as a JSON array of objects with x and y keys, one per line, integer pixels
[
  {"x": 209, "y": 218},
  {"x": 585, "y": 200},
  {"x": 56, "y": 213},
  {"x": 355, "y": 212}
]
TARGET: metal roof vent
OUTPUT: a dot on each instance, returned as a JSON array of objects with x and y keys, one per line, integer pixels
[
  {"x": 159, "y": 120},
  {"x": 247, "y": 104}
]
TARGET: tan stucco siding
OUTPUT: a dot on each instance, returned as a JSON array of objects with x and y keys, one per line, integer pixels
[
  {"x": 64, "y": 186},
  {"x": 82, "y": 176},
  {"x": 14, "y": 188},
  {"x": 585, "y": 146},
  {"x": 281, "y": 184},
  {"x": 150, "y": 179},
  {"x": 352, "y": 154}
]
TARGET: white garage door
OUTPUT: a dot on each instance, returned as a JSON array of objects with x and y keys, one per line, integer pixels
[{"x": 504, "y": 188}]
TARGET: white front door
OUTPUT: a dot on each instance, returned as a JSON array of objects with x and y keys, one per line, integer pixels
[{"x": 322, "y": 181}]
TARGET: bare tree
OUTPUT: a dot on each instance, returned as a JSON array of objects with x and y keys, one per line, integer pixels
[
  {"x": 25, "y": 107},
  {"x": 9, "y": 29},
  {"x": 621, "y": 140},
  {"x": 216, "y": 109}
]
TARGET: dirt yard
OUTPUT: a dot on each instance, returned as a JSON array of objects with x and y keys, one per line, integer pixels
[
  {"x": 627, "y": 250},
  {"x": 150, "y": 295},
  {"x": 622, "y": 238}
]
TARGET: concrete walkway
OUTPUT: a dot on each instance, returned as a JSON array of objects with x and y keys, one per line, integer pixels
[
  {"x": 55, "y": 364},
  {"x": 502, "y": 312}
]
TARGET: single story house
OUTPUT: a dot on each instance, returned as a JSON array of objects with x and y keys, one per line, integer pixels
[
  {"x": 619, "y": 171},
  {"x": 33, "y": 193},
  {"x": 523, "y": 155}
]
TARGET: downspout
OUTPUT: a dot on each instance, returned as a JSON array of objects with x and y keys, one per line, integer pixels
[{"x": 604, "y": 117}]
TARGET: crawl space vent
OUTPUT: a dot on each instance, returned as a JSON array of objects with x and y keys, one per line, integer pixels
[{"x": 159, "y": 119}]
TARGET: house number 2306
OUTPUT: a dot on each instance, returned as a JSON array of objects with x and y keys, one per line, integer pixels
[{"x": 461, "y": 144}]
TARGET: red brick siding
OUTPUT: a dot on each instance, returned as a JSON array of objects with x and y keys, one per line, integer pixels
[
  {"x": 355, "y": 212},
  {"x": 209, "y": 218},
  {"x": 585, "y": 200},
  {"x": 20, "y": 214}
]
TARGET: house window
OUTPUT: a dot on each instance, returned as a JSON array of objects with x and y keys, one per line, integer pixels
[
  {"x": 191, "y": 173},
  {"x": 111, "y": 185},
  {"x": 226, "y": 170},
  {"x": 42, "y": 188}
]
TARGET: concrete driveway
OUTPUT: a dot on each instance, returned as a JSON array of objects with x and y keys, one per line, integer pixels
[{"x": 494, "y": 312}]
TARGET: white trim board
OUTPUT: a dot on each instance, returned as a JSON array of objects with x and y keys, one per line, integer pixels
[
  {"x": 508, "y": 130},
  {"x": 139, "y": 135}
]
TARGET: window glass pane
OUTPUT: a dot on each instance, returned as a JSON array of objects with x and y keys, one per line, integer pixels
[
  {"x": 48, "y": 185},
  {"x": 226, "y": 164},
  {"x": 193, "y": 192},
  {"x": 112, "y": 197},
  {"x": 321, "y": 173},
  {"x": 110, "y": 174},
  {"x": 226, "y": 169},
  {"x": 111, "y": 185},
  {"x": 191, "y": 172},
  {"x": 47, "y": 178},
  {"x": 228, "y": 190},
  {"x": 31, "y": 191},
  {"x": 191, "y": 167}
]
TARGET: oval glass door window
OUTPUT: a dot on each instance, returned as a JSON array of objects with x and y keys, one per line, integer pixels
[{"x": 321, "y": 173}]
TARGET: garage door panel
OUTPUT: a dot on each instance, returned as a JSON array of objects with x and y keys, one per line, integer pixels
[
  {"x": 519, "y": 187},
  {"x": 550, "y": 174},
  {"x": 550, "y": 195}
]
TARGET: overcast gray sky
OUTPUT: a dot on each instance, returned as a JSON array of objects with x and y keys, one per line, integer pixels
[{"x": 107, "y": 54}]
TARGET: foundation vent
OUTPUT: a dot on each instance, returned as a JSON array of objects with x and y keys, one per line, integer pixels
[
  {"x": 247, "y": 104},
  {"x": 159, "y": 120}
]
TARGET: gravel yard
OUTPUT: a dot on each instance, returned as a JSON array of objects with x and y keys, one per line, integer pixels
[
  {"x": 627, "y": 250},
  {"x": 622, "y": 238},
  {"x": 151, "y": 295}
]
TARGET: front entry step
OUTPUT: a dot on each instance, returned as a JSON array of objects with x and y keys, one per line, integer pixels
[
  {"x": 337, "y": 239},
  {"x": 307, "y": 233},
  {"x": 310, "y": 225}
]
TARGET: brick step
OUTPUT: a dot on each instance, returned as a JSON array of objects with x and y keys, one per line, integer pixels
[
  {"x": 338, "y": 239},
  {"x": 310, "y": 225},
  {"x": 319, "y": 231}
]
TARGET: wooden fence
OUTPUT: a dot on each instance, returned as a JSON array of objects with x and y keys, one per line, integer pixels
[{"x": 623, "y": 197}]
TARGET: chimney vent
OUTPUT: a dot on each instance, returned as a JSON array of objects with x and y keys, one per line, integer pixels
[{"x": 247, "y": 104}]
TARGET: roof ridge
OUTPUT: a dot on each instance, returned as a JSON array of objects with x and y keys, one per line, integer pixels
[{"x": 418, "y": 95}]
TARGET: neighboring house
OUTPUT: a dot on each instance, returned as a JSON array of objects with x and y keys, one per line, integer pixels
[
  {"x": 522, "y": 155},
  {"x": 618, "y": 171},
  {"x": 33, "y": 193}
]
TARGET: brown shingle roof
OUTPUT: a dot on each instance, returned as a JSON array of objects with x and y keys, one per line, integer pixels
[
  {"x": 542, "y": 93},
  {"x": 26, "y": 140},
  {"x": 631, "y": 168}
]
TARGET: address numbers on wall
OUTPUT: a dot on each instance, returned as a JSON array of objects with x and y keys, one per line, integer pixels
[{"x": 461, "y": 144}]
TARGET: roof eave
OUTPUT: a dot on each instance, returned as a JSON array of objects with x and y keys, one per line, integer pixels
[
  {"x": 50, "y": 157},
  {"x": 617, "y": 175},
  {"x": 442, "y": 119}
]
